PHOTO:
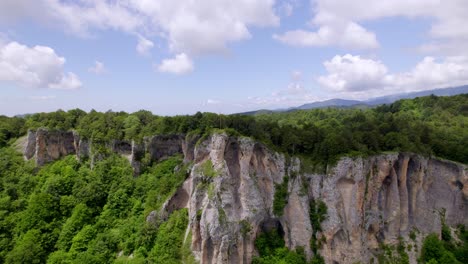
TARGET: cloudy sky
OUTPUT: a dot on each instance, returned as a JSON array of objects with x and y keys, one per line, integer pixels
[{"x": 179, "y": 57}]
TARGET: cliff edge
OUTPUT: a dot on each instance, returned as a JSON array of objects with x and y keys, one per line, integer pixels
[{"x": 233, "y": 182}]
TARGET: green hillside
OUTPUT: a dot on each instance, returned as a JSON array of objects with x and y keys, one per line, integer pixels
[{"x": 66, "y": 212}]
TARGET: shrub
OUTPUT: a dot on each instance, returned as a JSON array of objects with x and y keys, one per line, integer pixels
[
  {"x": 281, "y": 197},
  {"x": 446, "y": 234},
  {"x": 432, "y": 248},
  {"x": 206, "y": 168}
]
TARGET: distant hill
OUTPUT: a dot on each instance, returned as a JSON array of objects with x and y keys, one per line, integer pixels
[
  {"x": 344, "y": 103},
  {"x": 260, "y": 112},
  {"x": 439, "y": 92},
  {"x": 328, "y": 103}
]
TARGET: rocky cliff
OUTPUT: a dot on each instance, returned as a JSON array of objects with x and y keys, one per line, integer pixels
[
  {"x": 371, "y": 202},
  {"x": 44, "y": 146}
]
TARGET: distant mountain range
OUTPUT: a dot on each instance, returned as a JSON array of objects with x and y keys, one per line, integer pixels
[{"x": 343, "y": 103}]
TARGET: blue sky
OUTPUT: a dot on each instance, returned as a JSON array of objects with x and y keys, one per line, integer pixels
[{"x": 179, "y": 57}]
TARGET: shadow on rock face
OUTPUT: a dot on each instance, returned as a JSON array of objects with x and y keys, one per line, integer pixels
[{"x": 271, "y": 225}]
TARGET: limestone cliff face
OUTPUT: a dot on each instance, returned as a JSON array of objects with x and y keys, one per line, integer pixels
[
  {"x": 371, "y": 201},
  {"x": 230, "y": 189},
  {"x": 45, "y": 146},
  {"x": 376, "y": 200}
]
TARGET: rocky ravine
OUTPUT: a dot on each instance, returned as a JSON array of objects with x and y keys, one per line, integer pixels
[{"x": 229, "y": 194}]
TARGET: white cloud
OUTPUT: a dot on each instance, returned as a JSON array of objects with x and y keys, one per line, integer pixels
[
  {"x": 191, "y": 27},
  {"x": 82, "y": 16},
  {"x": 144, "y": 45},
  {"x": 358, "y": 77},
  {"x": 68, "y": 81},
  {"x": 206, "y": 26},
  {"x": 433, "y": 73},
  {"x": 36, "y": 67},
  {"x": 337, "y": 22},
  {"x": 181, "y": 64},
  {"x": 98, "y": 68},
  {"x": 343, "y": 34},
  {"x": 352, "y": 73},
  {"x": 454, "y": 47}
]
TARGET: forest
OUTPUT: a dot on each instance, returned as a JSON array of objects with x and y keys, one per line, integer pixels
[
  {"x": 427, "y": 125},
  {"x": 66, "y": 212}
]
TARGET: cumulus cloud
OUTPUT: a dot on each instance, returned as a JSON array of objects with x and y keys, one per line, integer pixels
[
  {"x": 352, "y": 75},
  {"x": 205, "y": 26},
  {"x": 68, "y": 81},
  {"x": 35, "y": 67},
  {"x": 98, "y": 68},
  {"x": 337, "y": 22},
  {"x": 181, "y": 64},
  {"x": 433, "y": 73},
  {"x": 191, "y": 27},
  {"x": 343, "y": 34},
  {"x": 144, "y": 45},
  {"x": 82, "y": 16}
]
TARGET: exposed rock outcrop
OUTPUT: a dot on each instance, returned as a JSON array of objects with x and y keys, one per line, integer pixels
[
  {"x": 375, "y": 201},
  {"x": 371, "y": 201},
  {"x": 45, "y": 146},
  {"x": 231, "y": 186},
  {"x": 163, "y": 146}
]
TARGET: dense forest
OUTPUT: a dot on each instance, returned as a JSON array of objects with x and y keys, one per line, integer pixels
[
  {"x": 66, "y": 212},
  {"x": 427, "y": 125}
]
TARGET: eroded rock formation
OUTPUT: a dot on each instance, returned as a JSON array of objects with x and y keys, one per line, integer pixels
[
  {"x": 45, "y": 146},
  {"x": 230, "y": 188},
  {"x": 371, "y": 201}
]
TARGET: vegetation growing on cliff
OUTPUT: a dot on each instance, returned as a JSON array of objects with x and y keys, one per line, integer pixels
[
  {"x": 271, "y": 248},
  {"x": 393, "y": 254},
  {"x": 270, "y": 245},
  {"x": 280, "y": 198},
  {"x": 207, "y": 169},
  {"x": 447, "y": 250},
  {"x": 317, "y": 214}
]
